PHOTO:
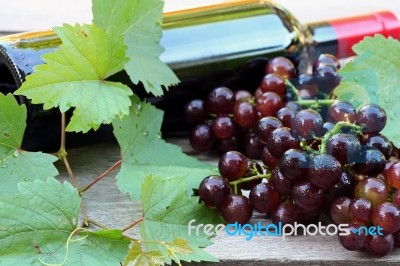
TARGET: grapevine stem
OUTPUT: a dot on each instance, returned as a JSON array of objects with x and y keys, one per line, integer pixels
[
  {"x": 133, "y": 224},
  {"x": 130, "y": 238},
  {"x": 90, "y": 221},
  {"x": 85, "y": 215},
  {"x": 292, "y": 88},
  {"x": 306, "y": 147},
  {"x": 235, "y": 189},
  {"x": 335, "y": 130},
  {"x": 62, "y": 154},
  {"x": 63, "y": 126},
  {"x": 248, "y": 179},
  {"x": 69, "y": 169},
  {"x": 100, "y": 177},
  {"x": 314, "y": 102}
]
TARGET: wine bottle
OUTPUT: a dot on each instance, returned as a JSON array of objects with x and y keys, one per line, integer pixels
[{"x": 219, "y": 45}]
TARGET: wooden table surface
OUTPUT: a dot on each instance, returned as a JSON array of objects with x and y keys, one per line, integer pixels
[{"x": 107, "y": 205}]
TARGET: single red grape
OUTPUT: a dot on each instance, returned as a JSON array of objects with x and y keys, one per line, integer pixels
[
  {"x": 232, "y": 165},
  {"x": 269, "y": 103},
  {"x": 245, "y": 114},
  {"x": 273, "y": 83},
  {"x": 213, "y": 190},
  {"x": 236, "y": 208},
  {"x": 202, "y": 138},
  {"x": 371, "y": 118},
  {"x": 281, "y": 66},
  {"x": 264, "y": 198},
  {"x": 372, "y": 189}
]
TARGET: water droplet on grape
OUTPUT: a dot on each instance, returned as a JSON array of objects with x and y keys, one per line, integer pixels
[
  {"x": 146, "y": 133},
  {"x": 158, "y": 136},
  {"x": 26, "y": 179},
  {"x": 4, "y": 166}
]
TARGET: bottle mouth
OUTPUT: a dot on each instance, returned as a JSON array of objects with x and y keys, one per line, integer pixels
[{"x": 352, "y": 30}]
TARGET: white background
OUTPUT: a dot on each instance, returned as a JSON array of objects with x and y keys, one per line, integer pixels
[{"x": 23, "y": 15}]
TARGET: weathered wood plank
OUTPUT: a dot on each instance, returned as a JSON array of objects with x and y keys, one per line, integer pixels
[{"x": 107, "y": 205}]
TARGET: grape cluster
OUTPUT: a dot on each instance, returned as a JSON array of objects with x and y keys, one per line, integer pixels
[
  {"x": 312, "y": 163},
  {"x": 236, "y": 173},
  {"x": 229, "y": 120}
]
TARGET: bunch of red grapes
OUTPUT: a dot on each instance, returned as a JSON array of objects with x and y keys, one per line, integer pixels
[
  {"x": 226, "y": 120},
  {"x": 337, "y": 162}
]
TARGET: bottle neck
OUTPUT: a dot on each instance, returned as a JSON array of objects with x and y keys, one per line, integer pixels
[
  {"x": 338, "y": 36},
  {"x": 324, "y": 39}
]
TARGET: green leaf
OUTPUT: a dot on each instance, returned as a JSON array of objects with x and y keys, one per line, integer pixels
[
  {"x": 74, "y": 77},
  {"x": 18, "y": 166},
  {"x": 144, "y": 152},
  {"x": 25, "y": 167},
  {"x": 36, "y": 224},
  {"x": 374, "y": 77},
  {"x": 179, "y": 246},
  {"x": 140, "y": 23},
  {"x": 101, "y": 248},
  {"x": 136, "y": 257},
  {"x": 167, "y": 212},
  {"x": 12, "y": 124}
]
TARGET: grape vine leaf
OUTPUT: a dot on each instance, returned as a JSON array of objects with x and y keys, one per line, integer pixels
[
  {"x": 16, "y": 165},
  {"x": 374, "y": 77},
  {"x": 12, "y": 124},
  {"x": 144, "y": 152},
  {"x": 25, "y": 167},
  {"x": 179, "y": 246},
  {"x": 74, "y": 77},
  {"x": 35, "y": 226},
  {"x": 136, "y": 256},
  {"x": 140, "y": 24},
  {"x": 167, "y": 212}
]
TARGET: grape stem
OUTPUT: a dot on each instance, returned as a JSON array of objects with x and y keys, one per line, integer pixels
[
  {"x": 248, "y": 179},
  {"x": 126, "y": 228},
  {"x": 302, "y": 102},
  {"x": 317, "y": 102},
  {"x": 100, "y": 177},
  {"x": 90, "y": 221},
  {"x": 306, "y": 147},
  {"x": 62, "y": 155},
  {"x": 334, "y": 131},
  {"x": 290, "y": 86}
]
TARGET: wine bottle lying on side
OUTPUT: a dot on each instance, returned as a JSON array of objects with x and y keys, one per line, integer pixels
[{"x": 219, "y": 45}]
